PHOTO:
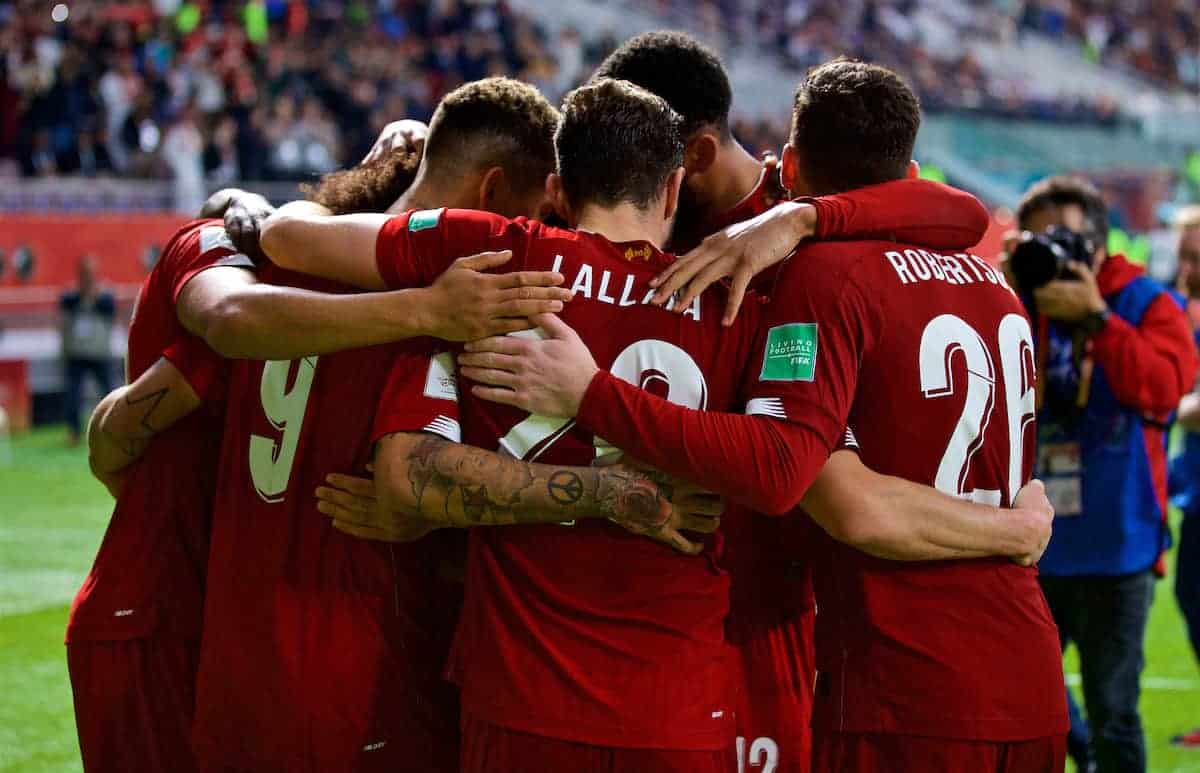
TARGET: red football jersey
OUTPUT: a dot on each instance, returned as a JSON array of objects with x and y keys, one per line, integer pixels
[
  {"x": 148, "y": 575},
  {"x": 929, "y": 358},
  {"x": 321, "y": 651},
  {"x": 583, "y": 632}
]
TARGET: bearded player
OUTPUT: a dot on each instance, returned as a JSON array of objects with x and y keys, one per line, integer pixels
[{"x": 942, "y": 666}]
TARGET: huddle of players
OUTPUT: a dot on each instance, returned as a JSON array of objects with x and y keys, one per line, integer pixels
[{"x": 580, "y": 645}]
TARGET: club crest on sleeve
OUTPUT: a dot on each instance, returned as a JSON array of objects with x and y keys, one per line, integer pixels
[
  {"x": 425, "y": 218},
  {"x": 791, "y": 353}
]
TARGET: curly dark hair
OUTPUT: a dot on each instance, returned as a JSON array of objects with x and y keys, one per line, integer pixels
[
  {"x": 494, "y": 122},
  {"x": 617, "y": 143},
  {"x": 681, "y": 70},
  {"x": 853, "y": 124},
  {"x": 370, "y": 187}
]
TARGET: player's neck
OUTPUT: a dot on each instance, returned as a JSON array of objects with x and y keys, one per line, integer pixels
[
  {"x": 623, "y": 223},
  {"x": 733, "y": 176},
  {"x": 420, "y": 195}
]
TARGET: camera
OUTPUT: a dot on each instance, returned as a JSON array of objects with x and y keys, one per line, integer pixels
[{"x": 1040, "y": 258}]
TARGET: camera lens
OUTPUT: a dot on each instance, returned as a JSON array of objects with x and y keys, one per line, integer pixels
[{"x": 1034, "y": 261}]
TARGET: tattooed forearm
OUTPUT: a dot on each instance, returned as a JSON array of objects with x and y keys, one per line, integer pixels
[
  {"x": 565, "y": 487},
  {"x": 459, "y": 485}
]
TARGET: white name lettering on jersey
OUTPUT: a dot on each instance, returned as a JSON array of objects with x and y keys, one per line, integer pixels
[
  {"x": 586, "y": 285},
  {"x": 913, "y": 266}
]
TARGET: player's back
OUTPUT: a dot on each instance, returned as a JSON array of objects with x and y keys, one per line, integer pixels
[
  {"x": 150, "y": 570},
  {"x": 321, "y": 651},
  {"x": 945, "y": 397},
  {"x": 584, "y": 631}
]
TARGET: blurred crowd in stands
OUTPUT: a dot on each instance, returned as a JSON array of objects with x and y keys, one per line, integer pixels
[
  {"x": 222, "y": 91},
  {"x": 211, "y": 91}
]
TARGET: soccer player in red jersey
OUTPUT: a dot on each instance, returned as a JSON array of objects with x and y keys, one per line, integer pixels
[
  {"x": 133, "y": 634},
  {"x": 772, "y": 610},
  {"x": 939, "y": 666},
  {"x": 562, "y": 654},
  {"x": 323, "y": 652}
]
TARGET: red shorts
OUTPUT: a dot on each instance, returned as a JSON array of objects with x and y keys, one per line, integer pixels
[
  {"x": 134, "y": 701},
  {"x": 488, "y": 748},
  {"x": 884, "y": 753},
  {"x": 775, "y": 702}
]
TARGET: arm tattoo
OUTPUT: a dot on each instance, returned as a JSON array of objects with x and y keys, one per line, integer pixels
[
  {"x": 459, "y": 485},
  {"x": 152, "y": 401},
  {"x": 565, "y": 487}
]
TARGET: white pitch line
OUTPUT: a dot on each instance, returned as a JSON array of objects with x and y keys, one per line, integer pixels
[{"x": 1153, "y": 683}]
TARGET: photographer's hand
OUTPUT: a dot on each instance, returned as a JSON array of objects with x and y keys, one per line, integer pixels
[{"x": 1071, "y": 300}]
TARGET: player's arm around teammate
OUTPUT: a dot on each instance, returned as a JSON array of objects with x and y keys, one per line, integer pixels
[
  {"x": 240, "y": 317},
  {"x": 128, "y": 418},
  {"x": 425, "y": 482},
  {"x": 882, "y": 515}
]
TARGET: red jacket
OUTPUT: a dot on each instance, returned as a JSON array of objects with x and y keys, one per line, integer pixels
[{"x": 1150, "y": 367}]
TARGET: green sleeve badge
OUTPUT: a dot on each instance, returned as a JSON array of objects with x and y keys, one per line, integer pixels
[
  {"x": 426, "y": 218},
  {"x": 791, "y": 353}
]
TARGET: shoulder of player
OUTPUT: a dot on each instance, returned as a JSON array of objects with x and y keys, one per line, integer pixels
[{"x": 836, "y": 262}]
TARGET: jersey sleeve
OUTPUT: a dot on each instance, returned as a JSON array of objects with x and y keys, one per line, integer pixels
[
  {"x": 214, "y": 248},
  {"x": 421, "y": 395},
  {"x": 412, "y": 249},
  {"x": 911, "y": 211},
  {"x": 206, "y": 372},
  {"x": 810, "y": 343}
]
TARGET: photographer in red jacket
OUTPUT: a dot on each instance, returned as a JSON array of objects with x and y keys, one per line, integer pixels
[{"x": 1115, "y": 355}]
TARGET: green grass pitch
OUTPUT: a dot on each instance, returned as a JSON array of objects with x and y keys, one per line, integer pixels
[{"x": 52, "y": 515}]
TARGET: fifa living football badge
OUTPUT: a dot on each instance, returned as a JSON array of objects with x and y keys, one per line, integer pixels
[
  {"x": 791, "y": 353},
  {"x": 426, "y": 218}
]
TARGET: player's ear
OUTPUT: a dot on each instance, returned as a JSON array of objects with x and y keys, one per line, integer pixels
[
  {"x": 913, "y": 171},
  {"x": 558, "y": 199},
  {"x": 671, "y": 194},
  {"x": 493, "y": 191},
  {"x": 701, "y": 153},
  {"x": 789, "y": 169}
]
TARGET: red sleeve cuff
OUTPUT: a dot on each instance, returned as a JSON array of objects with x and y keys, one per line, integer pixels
[
  {"x": 830, "y": 221},
  {"x": 597, "y": 399},
  {"x": 388, "y": 247},
  {"x": 201, "y": 367}
]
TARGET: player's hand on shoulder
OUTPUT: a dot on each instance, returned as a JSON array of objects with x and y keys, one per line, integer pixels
[
  {"x": 351, "y": 502},
  {"x": 739, "y": 253},
  {"x": 465, "y": 303},
  {"x": 652, "y": 504},
  {"x": 1036, "y": 515},
  {"x": 546, "y": 372},
  {"x": 244, "y": 215},
  {"x": 406, "y": 133}
]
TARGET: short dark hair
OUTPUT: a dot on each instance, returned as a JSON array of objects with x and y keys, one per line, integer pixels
[
  {"x": 1062, "y": 190},
  {"x": 854, "y": 124},
  {"x": 494, "y": 122},
  {"x": 616, "y": 143},
  {"x": 681, "y": 70},
  {"x": 372, "y": 186}
]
